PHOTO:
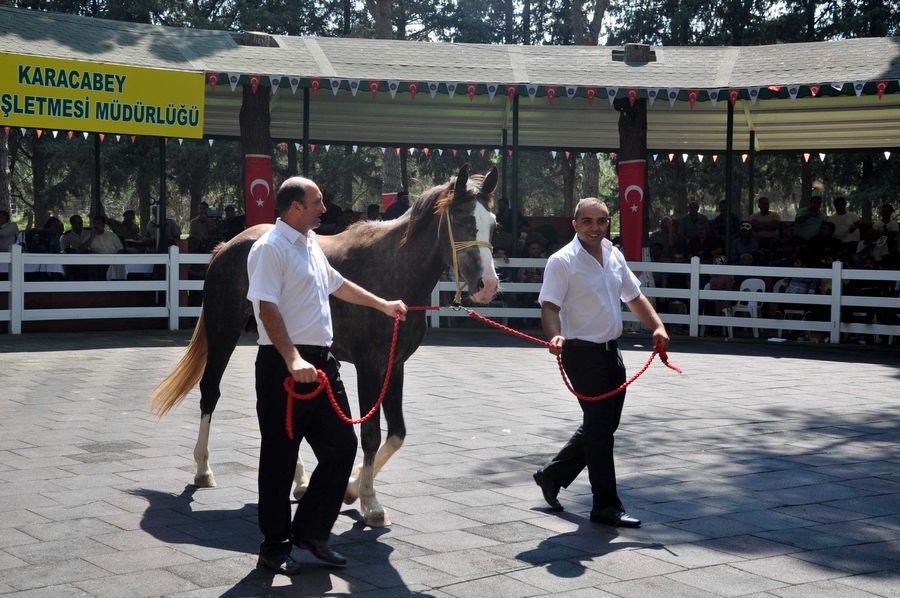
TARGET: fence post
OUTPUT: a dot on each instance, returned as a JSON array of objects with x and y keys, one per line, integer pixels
[
  {"x": 695, "y": 297},
  {"x": 174, "y": 283},
  {"x": 16, "y": 290},
  {"x": 435, "y": 300},
  {"x": 836, "y": 291}
]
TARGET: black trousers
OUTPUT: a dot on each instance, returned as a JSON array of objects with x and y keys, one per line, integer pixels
[
  {"x": 593, "y": 370},
  {"x": 332, "y": 441}
]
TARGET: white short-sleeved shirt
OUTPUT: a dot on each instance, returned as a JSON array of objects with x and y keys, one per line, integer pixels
[
  {"x": 290, "y": 270},
  {"x": 587, "y": 293}
]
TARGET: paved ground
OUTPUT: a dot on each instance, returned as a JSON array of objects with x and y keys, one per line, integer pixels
[{"x": 765, "y": 470}]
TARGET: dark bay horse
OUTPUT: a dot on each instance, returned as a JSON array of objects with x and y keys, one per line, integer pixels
[{"x": 398, "y": 259}]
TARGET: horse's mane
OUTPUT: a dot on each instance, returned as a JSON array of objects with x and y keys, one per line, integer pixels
[{"x": 436, "y": 200}]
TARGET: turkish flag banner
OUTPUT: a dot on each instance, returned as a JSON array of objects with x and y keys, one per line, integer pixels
[
  {"x": 259, "y": 196},
  {"x": 387, "y": 200},
  {"x": 632, "y": 182}
]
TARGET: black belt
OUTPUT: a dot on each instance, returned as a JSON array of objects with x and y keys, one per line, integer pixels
[
  {"x": 577, "y": 342},
  {"x": 314, "y": 350}
]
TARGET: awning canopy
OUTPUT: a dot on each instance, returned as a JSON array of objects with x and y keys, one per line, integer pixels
[{"x": 810, "y": 96}]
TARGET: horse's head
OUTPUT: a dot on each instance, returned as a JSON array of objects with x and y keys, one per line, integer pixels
[{"x": 470, "y": 224}]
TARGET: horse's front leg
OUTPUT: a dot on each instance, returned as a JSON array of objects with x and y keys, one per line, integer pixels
[{"x": 204, "y": 477}]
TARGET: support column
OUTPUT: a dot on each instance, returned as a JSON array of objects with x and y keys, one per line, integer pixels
[
  {"x": 751, "y": 160},
  {"x": 729, "y": 167},
  {"x": 162, "y": 238},
  {"x": 514, "y": 200},
  {"x": 306, "y": 132},
  {"x": 96, "y": 208}
]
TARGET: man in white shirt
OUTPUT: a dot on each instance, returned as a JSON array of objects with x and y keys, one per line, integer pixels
[
  {"x": 846, "y": 224},
  {"x": 584, "y": 283},
  {"x": 290, "y": 283},
  {"x": 9, "y": 232},
  {"x": 102, "y": 241}
]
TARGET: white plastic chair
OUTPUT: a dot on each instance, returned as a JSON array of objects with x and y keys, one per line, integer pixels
[
  {"x": 787, "y": 313},
  {"x": 749, "y": 307}
]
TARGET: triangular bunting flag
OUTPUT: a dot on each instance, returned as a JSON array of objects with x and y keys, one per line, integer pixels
[
  {"x": 858, "y": 87},
  {"x": 327, "y": 147},
  {"x": 568, "y": 155},
  {"x": 839, "y": 86},
  {"x": 85, "y": 133},
  {"x": 655, "y": 156},
  {"x": 454, "y": 152},
  {"x": 56, "y": 132},
  {"x": 397, "y": 150},
  {"x": 793, "y": 90},
  {"x": 492, "y": 91},
  {"x": 632, "y": 96},
  {"x": 887, "y": 155},
  {"x": 692, "y": 97},
  {"x": 581, "y": 155},
  {"x": 754, "y": 94},
  {"x": 806, "y": 156},
  {"x": 553, "y": 153},
  {"x": 814, "y": 89},
  {"x": 283, "y": 146},
  {"x": 254, "y": 82},
  {"x": 551, "y": 93},
  {"x": 496, "y": 151},
  {"x": 482, "y": 152},
  {"x": 23, "y": 131},
  {"x": 210, "y": 142},
  {"x": 384, "y": 149},
  {"x": 451, "y": 88},
  {"x": 880, "y": 88},
  {"x": 413, "y": 87},
  {"x": 355, "y": 147},
  {"x": 733, "y": 95},
  {"x": 373, "y": 87},
  {"x": 612, "y": 155},
  {"x": 425, "y": 150},
  {"x": 212, "y": 79},
  {"x": 393, "y": 87},
  {"x": 40, "y": 132},
  {"x": 294, "y": 80},
  {"x": 335, "y": 85},
  {"x": 713, "y": 95},
  {"x": 297, "y": 146},
  {"x": 611, "y": 94},
  {"x": 312, "y": 147},
  {"x": 511, "y": 92},
  {"x": 440, "y": 152},
  {"x": 684, "y": 158},
  {"x": 233, "y": 80},
  {"x": 118, "y": 137},
  {"x": 715, "y": 158},
  {"x": 671, "y": 157},
  {"x": 652, "y": 93},
  {"x": 672, "y": 94},
  {"x": 432, "y": 88},
  {"x": 180, "y": 141},
  {"x": 314, "y": 84},
  {"x": 354, "y": 86},
  {"x": 571, "y": 91},
  {"x": 700, "y": 158},
  {"x": 532, "y": 90},
  {"x": 822, "y": 157},
  {"x": 133, "y": 137},
  {"x": 470, "y": 90},
  {"x": 468, "y": 152},
  {"x": 274, "y": 82}
]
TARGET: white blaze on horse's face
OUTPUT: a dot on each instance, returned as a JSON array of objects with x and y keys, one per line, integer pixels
[{"x": 484, "y": 224}]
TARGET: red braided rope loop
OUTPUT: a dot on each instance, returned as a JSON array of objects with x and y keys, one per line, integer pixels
[
  {"x": 324, "y": 383},
  {"x": 662, "y": 356}
]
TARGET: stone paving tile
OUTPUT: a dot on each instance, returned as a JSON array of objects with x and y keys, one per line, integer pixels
[
  {"x": 495, "y": 586},
  {"x": 821, "y": 588},
  {"x": 656, "y": 587},
  {"x": 58, "y": 591},
  {"x": 882, "y": 583},
  {"x": 136, "y": 585},
  {"x": 63, "y": 572},
  {"x": 725, "y": 580},
  {"x": 630, "y": 564},
  {"x": 862, "y": 558},
  {"x": 789, "y": 569},
  {"x": 473, "y": 562}
]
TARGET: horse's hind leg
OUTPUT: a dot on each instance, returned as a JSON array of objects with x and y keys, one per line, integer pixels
[
  {"x": 221, "y": 345},
  {"x": 301, "y": 479}
]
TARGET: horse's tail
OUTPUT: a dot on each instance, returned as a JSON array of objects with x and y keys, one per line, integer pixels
[{"x": 184, "y": 377}]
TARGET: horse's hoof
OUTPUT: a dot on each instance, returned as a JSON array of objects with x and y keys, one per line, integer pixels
[
  {"x": 205, "y": 480},
  {"x": 378, "y": 519}
]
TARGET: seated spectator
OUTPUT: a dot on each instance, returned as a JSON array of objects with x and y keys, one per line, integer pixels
[
  {"x": 46, "y": 239},
  {"x": 785, "y": 247},
  {"x": 77, "y": 238},
  {"x": 846, "y": 224},
  {"x": 692, "y": 221},
  {"x": 667, "y": 236},
  {"x": 734, "y": 222},
  {"x": 203, "y": 233},
  {"x": 399, "y": 207},
  {"x": 744, "y": 242},
  {"x": 705, "y": 244},
  {"x": 825, "y": 243},
  {"x": 102, "y": 242},
  {"x": 373, "y": 212},
  {"x": 809, "y": 219},
  {"x": 720, "y": 282},
  {"x": 505, "y": 215},
  {"x": 869, "y": 288},
  {"x": 9, "y": 232},
  {"x": 329, "y": 223},
  {"x": 765, "y": 224},
  {"x": 233, "y": 224},
  {"x": 533, "y": 273},
  {"x": 503, "y": 274},
  {"x": 126, "y": 229},
  {"x": 800, "y": 285},
  {"x": 886, "y": 224}
]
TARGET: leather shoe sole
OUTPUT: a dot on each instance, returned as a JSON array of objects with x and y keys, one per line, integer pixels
[
  {"x": 284, "y": 565},
  {"x": 322, "y": 551},
  {"x": 549, "y": 489},
  {"x": 615, "y": 517}
]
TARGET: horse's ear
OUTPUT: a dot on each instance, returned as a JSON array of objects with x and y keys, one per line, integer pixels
[
  {"x": 490, "y": 182},
  {"x": 462, "y": 179}
]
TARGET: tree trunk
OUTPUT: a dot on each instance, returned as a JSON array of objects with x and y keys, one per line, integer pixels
[
  {"x": 347, "y": 178},
  {"x": 381, "y": 15},
  {"x": 526, "y": 22},
  {"x": 509, "y": 19},
  {"x": 590, "y": 177},
  {"x": 39, "y": 181},
  {"x": 4, "y": 170},
  {"x": 404, "y": 169},
  {"x": 255, "y": 136},
  {"x": 391, "y": 180},
  {"x": 347, "y": 11},
  {"x": 633, "y": 146},
  {"x": 868, "y": 167},
  {"x": 806, "y": 181},
  {"x": 568, "y": 174},
  {"x": 587, "y": 34}
]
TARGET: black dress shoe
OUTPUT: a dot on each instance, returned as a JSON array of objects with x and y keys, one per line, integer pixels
[
  {"x": 322, "y": 551},
  {"x": 550, "y": 490},
  {"x": 285, "y": 565},
  {"x": 615, "y": 517}
]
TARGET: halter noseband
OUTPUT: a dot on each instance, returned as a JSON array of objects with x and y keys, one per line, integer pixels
[{"x": 456, "y": 247}]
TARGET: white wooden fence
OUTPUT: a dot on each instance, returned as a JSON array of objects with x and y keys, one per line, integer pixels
[{"x": 170, "y": 289}]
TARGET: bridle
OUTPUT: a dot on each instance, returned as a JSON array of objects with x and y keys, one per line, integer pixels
[{"x": 456, "y": 247}]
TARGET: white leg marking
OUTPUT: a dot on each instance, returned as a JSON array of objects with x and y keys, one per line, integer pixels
[
  {"x": 352, "y": 492},
  {"x": 373, "y": 513},
  {"x": 204, "y": 477},
  {"x": 301, "y": 480}
]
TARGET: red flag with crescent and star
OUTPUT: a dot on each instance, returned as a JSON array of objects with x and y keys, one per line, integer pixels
[
  {"x": 632, "y": 182},
  {"x": 259, "y": 196}
]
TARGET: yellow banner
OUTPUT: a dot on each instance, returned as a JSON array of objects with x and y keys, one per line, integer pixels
[{"x": 71, "y": 95}]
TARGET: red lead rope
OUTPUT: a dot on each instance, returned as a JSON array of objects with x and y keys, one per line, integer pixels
[{"x": 324, "y": 383}]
